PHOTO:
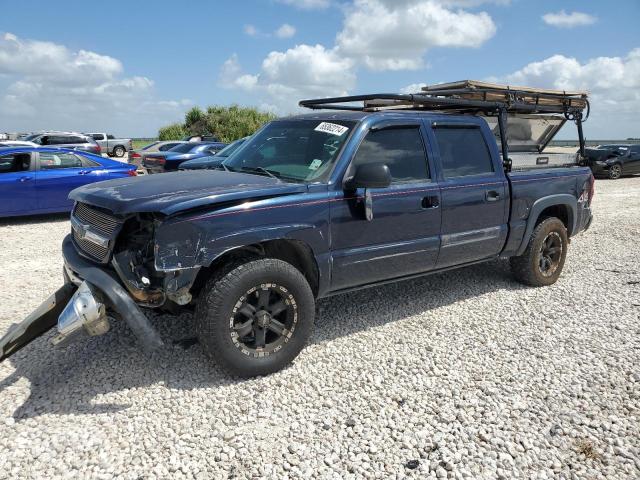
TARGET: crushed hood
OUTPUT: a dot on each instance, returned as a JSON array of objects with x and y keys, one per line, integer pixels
[{"x": 169, "y": 193}]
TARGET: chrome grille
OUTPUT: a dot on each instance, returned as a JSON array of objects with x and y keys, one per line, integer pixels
[
  {"x": 95, "y": 251},
  {"x": 102, "y": 222}
]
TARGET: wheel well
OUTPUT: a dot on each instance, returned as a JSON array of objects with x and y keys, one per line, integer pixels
[
  {"x": 295, "y": 252},
  {"x": 559, "y": 211}
]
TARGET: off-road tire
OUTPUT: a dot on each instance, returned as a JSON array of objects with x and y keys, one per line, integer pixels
[
  {"x": 216, "y": 304},
  {"x": 615, "y": 171},
  {"x": 119, "y": 151},
  {"x": 526, "y": 268}
]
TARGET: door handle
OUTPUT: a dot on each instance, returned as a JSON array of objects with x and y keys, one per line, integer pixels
[
  {"x": 492, "y": 196},
  {"x": 24, "y": 179},
  {"x": 83, "y": 172},
  {"x": 432, "y": 201}
]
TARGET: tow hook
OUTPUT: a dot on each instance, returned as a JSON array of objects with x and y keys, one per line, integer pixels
[{"x": 85, "y": 312}]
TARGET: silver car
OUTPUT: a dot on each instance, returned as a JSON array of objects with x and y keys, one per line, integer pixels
[
  {"x": 137, "y": 156},
  {"x": 72, "y": 140}
]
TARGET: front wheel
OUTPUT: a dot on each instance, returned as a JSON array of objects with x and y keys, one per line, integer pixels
[
  {"x": 542, "y": 262},
  {"x": 257, "y": 318},
  {"x": 615, "y": 171}
]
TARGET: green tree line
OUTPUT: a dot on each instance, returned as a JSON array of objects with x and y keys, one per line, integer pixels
[{"x": 225, "y": 123}]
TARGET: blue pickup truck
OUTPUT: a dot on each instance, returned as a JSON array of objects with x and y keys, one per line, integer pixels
[{"x": 310, "y": 206}]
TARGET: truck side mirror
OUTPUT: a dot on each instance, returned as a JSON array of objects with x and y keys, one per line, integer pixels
[{"x": 370, "y": 175}]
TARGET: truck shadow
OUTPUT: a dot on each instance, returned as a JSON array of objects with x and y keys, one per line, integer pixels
[
  {"x": 74, "y": 379},
  {"x": 35, "y": 219}
]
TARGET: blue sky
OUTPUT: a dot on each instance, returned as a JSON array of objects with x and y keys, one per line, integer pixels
[{"x": 134, "y": 66}]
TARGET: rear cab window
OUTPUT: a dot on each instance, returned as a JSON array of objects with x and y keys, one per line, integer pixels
[{"x": 463, "y": 151}]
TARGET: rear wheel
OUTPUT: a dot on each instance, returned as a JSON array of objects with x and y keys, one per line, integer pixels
[
  {"x": 615, "y": 171},
  {"x": 255, "y": 319},
  {"x": 542, "y": 262},
  {"x": 119, "y": 151}
]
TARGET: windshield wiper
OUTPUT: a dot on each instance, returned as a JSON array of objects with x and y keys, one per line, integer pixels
[
  {"x": 270, "y": 173},
  {"x": 224, "y": 167}
]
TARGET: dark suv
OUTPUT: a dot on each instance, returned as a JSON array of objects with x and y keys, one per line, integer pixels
[{"x": 75, "y": 141}]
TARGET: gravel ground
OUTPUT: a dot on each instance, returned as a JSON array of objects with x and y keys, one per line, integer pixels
[{"x": 465, "y": 375}]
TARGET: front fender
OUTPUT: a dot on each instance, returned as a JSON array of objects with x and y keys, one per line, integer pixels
[{"x": 193, "y": 245}]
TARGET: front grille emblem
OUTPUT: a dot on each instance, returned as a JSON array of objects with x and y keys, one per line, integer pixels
[{"x": 84, "y": 232}]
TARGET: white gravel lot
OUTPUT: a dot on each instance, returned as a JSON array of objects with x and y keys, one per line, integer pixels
[{"x": 461, "y": 375}]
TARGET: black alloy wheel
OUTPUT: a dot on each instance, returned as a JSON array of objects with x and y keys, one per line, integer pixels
[
  {"x": 550, "y": 254},
  {"x": 263, "y": 319}
]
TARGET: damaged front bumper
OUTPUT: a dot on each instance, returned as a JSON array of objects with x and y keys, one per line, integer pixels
[{"x": 84, "y": 309}]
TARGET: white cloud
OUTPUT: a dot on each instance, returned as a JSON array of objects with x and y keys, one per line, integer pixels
[
  {"x": 47, "y": 86},
  {"x": 285, "y": 31},
  {"x": 307, "y": 4},
  {"x": 250, "y": 30},
  {"x": 377, "y": 34},
  {"x": 395, "y": 34},
  {"x": 563, "y": 19},
  {"x": 413, "y": 88},
  {"x": 613, "y": 84},
  {"x": 286, "y": 77}
]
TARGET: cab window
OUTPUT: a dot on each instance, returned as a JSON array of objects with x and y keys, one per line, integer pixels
[
  {"x": 401, "y": 149},
  {"x": 463, "y": 151}
]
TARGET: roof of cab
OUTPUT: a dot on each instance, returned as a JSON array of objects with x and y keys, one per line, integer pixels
[{"x": 344, "y": 115}]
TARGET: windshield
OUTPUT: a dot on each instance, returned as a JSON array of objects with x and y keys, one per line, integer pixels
[
  {"x": 184, "y": 147},
  {"x": 296, "y": 150},
  {"x": 232, "y": 147}
]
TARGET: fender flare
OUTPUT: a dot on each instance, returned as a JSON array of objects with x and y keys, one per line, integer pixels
[{"x": 562, "y": 199}]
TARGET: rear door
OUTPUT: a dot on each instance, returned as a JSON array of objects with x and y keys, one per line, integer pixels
[
  {"x": 403, "y": 237},
  {"x": 474, "y": 194},
  {"x": 17, "y": 184},
  {"x": 60, "y": 172}
]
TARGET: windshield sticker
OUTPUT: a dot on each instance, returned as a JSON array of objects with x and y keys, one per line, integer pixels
[
  {"x": 332, "y": 128},
  {"x": 315, "y": 164}
]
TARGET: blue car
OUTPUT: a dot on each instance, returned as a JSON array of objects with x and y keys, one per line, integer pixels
[
  {"x": 213, "y": 161},
  {"x": 171, "y": 159},
  {"x": 38, "y": 180}
]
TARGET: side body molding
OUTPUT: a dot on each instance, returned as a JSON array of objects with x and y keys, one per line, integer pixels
[{"x": 562, "y": 200}]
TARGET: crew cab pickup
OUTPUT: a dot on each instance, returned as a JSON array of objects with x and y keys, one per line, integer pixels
[
  {"x": 112, "y": 146},
  {"x": 310, "y": 206}
]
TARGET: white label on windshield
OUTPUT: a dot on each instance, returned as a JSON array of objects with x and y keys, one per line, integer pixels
[
  {"x": 315, "y": 164},
  {"x": 332, "y": 128}
]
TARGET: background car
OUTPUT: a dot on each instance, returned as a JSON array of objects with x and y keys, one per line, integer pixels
[
  {"x": 613, "y": 161},
  {"x": 71, "y": 140},
  {"x": 137, "y": 156},
  {"x": 17, "y": 143},
  {"x": 112, "y": 146},
  {"x": 213, "y": 162},
  {"x": 171, "y": 159},
  {"x": 38, "y": 179}
]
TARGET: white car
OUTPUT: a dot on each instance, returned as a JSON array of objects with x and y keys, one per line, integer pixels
[{"x": 17, "y": 143}]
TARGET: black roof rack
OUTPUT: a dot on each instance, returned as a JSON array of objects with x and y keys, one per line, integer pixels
[
  {"x": 465, "y": 96},
  {"x": 474, "y": 97}
]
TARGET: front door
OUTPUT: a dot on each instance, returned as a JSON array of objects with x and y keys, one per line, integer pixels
[
  {"x": 403, "y": 235},
  {"x": 474, "y": 196},
  {"x": 17, "y": 184}
]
